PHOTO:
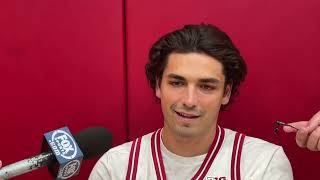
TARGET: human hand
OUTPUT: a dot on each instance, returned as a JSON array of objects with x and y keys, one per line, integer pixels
[
  {"x": 0, "y": 168},
  {"x": 308, "y": 135}
]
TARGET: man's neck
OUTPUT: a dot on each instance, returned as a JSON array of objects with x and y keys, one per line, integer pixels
[{"x": 187, "y": 146}]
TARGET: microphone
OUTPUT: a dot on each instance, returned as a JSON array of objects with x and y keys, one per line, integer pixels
[{"x": 92, "y": 142}]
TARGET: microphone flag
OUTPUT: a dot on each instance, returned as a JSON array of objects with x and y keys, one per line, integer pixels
[{"x": 66, "y": 152}]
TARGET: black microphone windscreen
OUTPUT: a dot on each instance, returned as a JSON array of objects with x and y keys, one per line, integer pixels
[{"x": 94, "y": 141}]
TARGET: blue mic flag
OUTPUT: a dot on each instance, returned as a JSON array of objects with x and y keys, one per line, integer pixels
[{"x": 66, "y": 151}]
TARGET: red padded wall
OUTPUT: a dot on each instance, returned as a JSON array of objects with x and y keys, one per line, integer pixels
[
  {"x": 278, "y": 39},
  {"x": 61, "y": 64}
]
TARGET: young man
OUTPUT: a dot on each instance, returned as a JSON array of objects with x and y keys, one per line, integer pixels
[{"x": 195, "y": 72}]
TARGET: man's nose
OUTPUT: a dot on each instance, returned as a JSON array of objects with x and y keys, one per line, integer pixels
[{"x": 190, "y": 97}]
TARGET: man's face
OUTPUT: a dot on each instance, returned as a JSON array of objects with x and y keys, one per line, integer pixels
[{"x": 191, "y": 93}]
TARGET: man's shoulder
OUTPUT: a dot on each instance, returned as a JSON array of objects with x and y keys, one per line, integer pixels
[
  {"x": 261, "y": 148},
  {"x": 252, "y": 143},
  {"x": 113, "y": 164},
  {"x": 260, "y": 158},
  {"x": 123, "y": 150},
  {"x": 120, "y": 149}
]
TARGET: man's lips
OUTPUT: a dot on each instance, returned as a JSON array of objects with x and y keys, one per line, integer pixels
[{"x": 187, "y": 115}]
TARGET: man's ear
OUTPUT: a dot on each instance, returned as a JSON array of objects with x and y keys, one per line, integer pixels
[
  {"x": 158, "y": 91},
  {"x": 227, "y": 94}
]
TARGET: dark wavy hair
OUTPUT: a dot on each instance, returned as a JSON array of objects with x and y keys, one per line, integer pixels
[{"x": 203, "y": 38}]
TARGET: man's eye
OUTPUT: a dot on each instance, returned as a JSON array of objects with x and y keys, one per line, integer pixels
[
  {"x": 207, "y": 87},
  {"x": 176, "y": 83}
]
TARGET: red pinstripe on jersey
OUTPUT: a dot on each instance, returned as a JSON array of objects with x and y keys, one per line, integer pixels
[
  {"x": 236, "y": 156},
  {"x": 157, "y": 156},
  {"x": 205, "y": 166},
  {"x": 133, "y": 159},
  {"x": 213, "y": 151}
]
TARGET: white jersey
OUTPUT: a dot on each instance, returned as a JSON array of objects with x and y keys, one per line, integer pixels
[{"x": 232, "y": 156}]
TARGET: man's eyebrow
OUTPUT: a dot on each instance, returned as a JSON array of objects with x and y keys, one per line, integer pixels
[
  {"x": 203, "y": 80},
  {"x": 209, "y": 80},
  {"x": 175, "y": 76}
]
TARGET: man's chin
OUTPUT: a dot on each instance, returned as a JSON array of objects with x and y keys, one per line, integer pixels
[{"x": 186, "y": 131}]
